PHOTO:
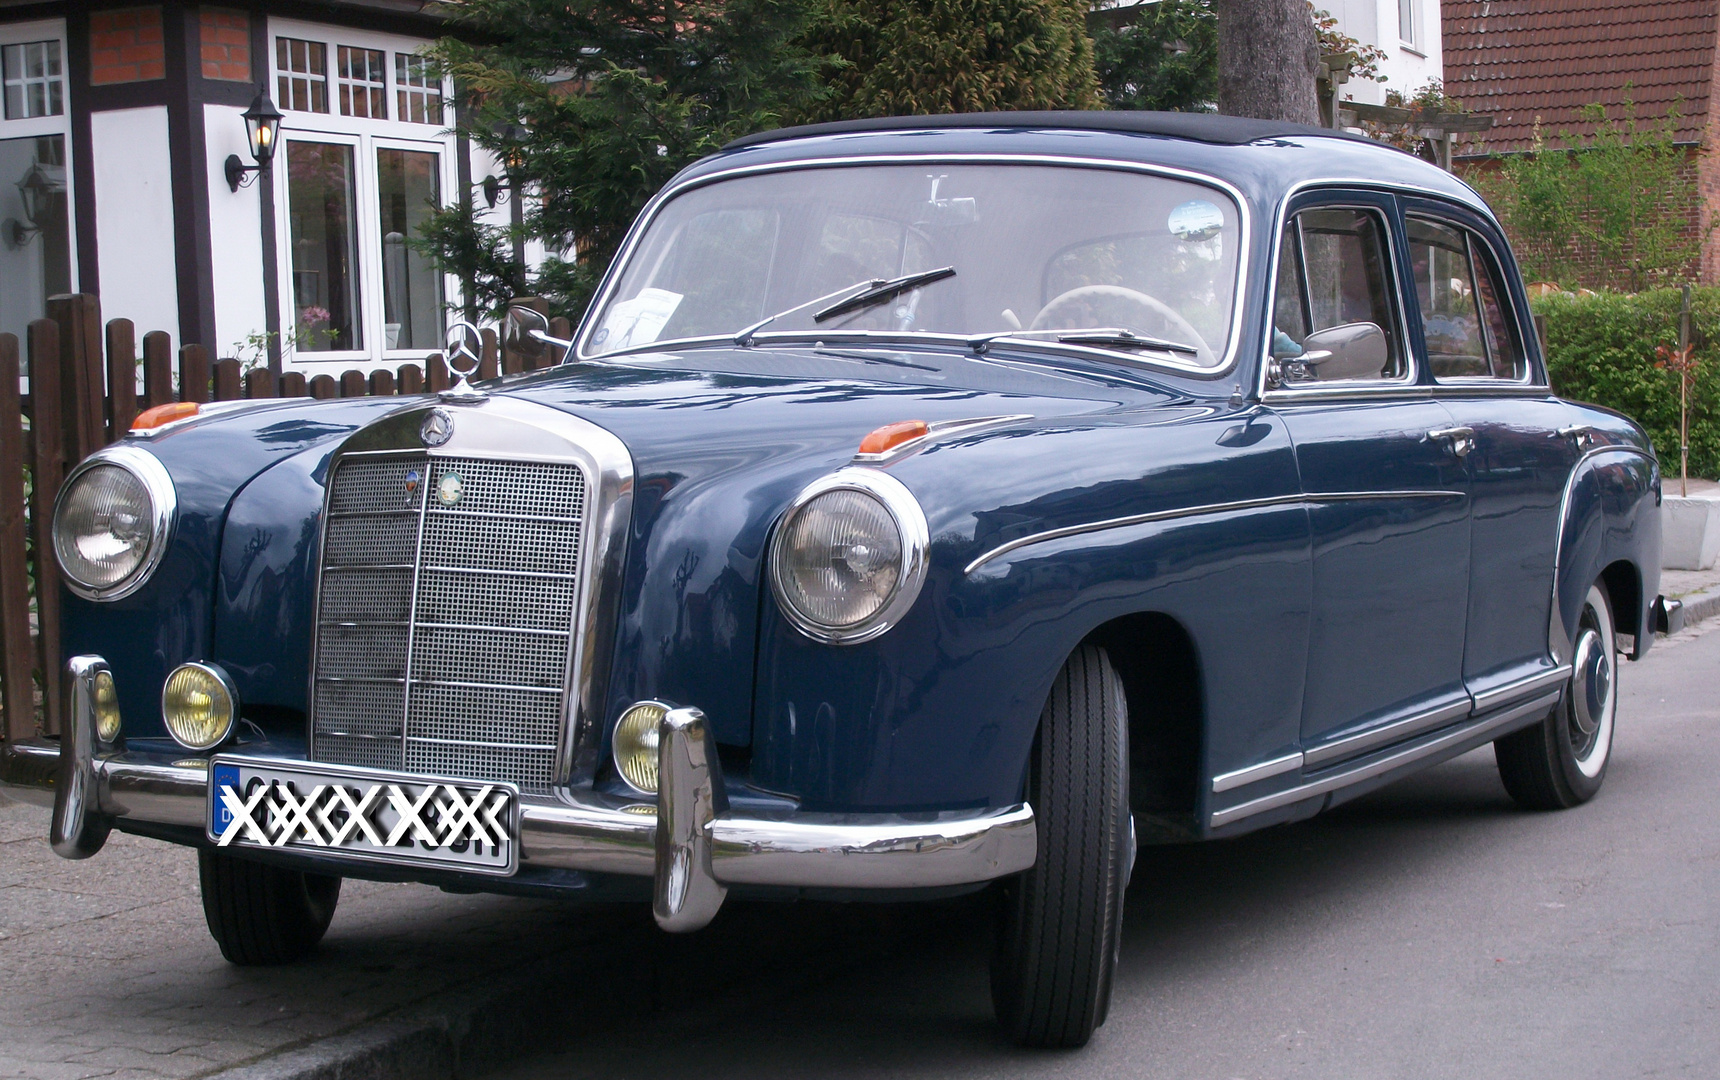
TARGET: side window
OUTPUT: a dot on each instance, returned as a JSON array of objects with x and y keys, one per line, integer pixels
[
  {"x": 1468, "y": 332},
  {"x": 1333, "y": 310}
]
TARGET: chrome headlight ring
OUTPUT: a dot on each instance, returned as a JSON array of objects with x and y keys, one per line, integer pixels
[
  {"x": 910, "y": 522},
  {"x": 148, "y": 470}
]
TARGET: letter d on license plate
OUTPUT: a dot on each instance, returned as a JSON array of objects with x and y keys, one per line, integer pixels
[{"x": 364, "y": 814}]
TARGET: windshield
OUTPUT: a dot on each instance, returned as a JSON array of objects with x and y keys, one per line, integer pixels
[{"x": 1045, "y": 251}]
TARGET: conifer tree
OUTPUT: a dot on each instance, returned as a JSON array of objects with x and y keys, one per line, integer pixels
[
  {"x": 902, "y": 57},
  {"x": 593, "y": 105}
]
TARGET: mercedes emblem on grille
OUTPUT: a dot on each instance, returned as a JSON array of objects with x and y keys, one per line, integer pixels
[{"x": 438, "y": 427}]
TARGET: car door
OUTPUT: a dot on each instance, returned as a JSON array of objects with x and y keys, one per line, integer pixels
[
  {"x": 1382, "y": 473},
  {"x": 1476, "y": 343}
]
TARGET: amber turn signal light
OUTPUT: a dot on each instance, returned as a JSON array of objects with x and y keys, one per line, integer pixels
[
  {"x": 883, "y": 440},
  {"x": 164, "y": 414}
]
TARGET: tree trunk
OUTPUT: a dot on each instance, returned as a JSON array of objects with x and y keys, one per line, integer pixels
[{"x": 1267, "y": 59}]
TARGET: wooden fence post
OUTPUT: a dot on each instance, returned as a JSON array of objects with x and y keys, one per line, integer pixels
[
  {"x": 322, "y": 387},
  {"x": 382, "y": 383},
  {"x": 47, "y": 430},
  {"x": 157, "y": 368},
  {"x": 193, "y": 373},
  {"x": 436, "y": 373},
  {"x": 228, "y": 381},
  {"x": 121, "y": 377},
  {"x": 352, "y": 384},
  {"x": 489, "y": 362},
  {"x": 293, "y": 384},
  {"x": 82, "y": 381},
  {"x": 260, "y": 383},
  {"x": 15, "y": 650},
  {"x": 410, "y": 379}
]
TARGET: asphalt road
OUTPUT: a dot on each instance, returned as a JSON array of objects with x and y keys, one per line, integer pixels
[{"x": 1428, "y": 930}]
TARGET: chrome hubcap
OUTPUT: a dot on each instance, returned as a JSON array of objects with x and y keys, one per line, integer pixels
[{"x": 1592, "y": 692}]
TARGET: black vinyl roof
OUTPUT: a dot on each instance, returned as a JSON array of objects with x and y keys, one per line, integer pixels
[{"x": 1201, "y": 127}]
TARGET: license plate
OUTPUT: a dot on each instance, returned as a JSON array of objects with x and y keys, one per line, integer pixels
[{"x": 364, "y": 814}]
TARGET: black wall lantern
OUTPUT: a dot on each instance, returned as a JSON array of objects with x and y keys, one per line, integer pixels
[
  {"x": 262, "y": 127},
  {"x": 39, "y": 185},
  {"x": 495, "y": 188}
]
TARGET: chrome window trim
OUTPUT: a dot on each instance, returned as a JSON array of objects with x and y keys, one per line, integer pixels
[
  {"x": 1412, "y": 367},
  {"x": 164, "y": 511},
  {"x": 1523, "y": 339},
  {"x": 1233, "y": 350},
  {"x": 1199, "y": 511},
  {"x": 910, "y": 520},
  {"x": 509, "y": 430},
  {"x": 1262, "y": 393}
]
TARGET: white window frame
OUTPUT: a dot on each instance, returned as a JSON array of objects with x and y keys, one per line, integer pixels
[
  {"x": 19, "y": 33},
  {"x": 366, "y": 136},
  {"x": 1412, "y": 41}
]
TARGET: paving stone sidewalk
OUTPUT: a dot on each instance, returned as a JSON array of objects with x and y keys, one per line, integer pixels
[{"x": 107, "y": 970}]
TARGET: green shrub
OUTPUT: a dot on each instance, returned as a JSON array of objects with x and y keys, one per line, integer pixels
[{"x": 1601, "y": 349}]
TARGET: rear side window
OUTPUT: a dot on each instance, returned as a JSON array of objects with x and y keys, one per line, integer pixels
[{"x": 1468, "y": 330}]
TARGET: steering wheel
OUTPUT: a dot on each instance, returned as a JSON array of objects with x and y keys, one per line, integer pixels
[{"x": 1051, "y": 313}]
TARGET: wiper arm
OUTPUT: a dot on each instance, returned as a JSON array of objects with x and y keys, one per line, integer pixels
[
  {"x": 1126, "y": 339},
  {"x": 879, "y": 291}
]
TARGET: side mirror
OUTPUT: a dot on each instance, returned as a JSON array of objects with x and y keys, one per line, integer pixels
[
  {"x": 1355, "y": 350},
  {"x": 525, "y": 328}
]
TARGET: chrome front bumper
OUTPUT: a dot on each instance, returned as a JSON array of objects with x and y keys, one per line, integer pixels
[{"x": 693, "y": 848}]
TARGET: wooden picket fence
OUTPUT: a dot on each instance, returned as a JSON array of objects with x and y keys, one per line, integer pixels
[{"x": 83, "y": 379}]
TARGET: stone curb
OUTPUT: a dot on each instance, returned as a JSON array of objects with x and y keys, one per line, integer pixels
[
  {"x": 1702, "y": 605},
  {"x": 455, "y": 1035}
]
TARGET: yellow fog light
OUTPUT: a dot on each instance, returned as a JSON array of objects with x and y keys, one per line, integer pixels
[
  {"x": 107, "y": 707},
  {"x": 199, "y": 706},
  {"x": 636, "y": 745}
]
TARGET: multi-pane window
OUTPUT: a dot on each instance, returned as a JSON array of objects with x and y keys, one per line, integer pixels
[
  {"x": 302, "y": 72},
  {"x": 420, "y": 90},
  {"x": 363, "y": 82},
  {"x": 321, "y": 205},
  {"x": 35, "y": 82}
]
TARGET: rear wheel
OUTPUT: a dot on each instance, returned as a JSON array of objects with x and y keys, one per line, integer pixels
[
  {"x": 1562, "y": 761},
  {"x": 263, "y": 915},
  {"x": 1061, "y": 922}
]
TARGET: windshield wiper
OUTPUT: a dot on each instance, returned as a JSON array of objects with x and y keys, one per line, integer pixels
[
  {"x": 879, "y": 291},
  {"x": 1126, "y": 339}
]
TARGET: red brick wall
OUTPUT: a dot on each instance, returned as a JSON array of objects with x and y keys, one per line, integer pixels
[
  {"x": 126, "y": 46},
  {"x": 225, "y": 44}
]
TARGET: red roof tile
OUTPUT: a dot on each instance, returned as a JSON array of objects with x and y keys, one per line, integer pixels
[{"x": 1520, "y": 61}]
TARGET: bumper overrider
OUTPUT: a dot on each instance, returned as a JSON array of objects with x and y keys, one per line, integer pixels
[{"x": 693, "y": 848}]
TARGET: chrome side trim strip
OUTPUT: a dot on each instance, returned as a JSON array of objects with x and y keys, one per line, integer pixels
[
  {"x": 1199, "y": 511},
  {"x": 1390, "y": 732},
  {"x": 1408, "y": 755},
  {"x": 1253, "y": 773},
  {"x": 1500, "y": 695}
]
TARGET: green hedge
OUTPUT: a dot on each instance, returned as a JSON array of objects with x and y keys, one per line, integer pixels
[{"x": 1601, "y": 348}]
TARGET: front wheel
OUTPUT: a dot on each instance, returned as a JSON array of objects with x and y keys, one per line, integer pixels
[
  {"x": 1560, "y": 762},
  {"x": 1061, "y": 922},
  {"x": 260, "y": 914}
]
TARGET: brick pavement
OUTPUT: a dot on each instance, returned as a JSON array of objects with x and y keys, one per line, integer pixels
[{"x": 107, "y": 970}]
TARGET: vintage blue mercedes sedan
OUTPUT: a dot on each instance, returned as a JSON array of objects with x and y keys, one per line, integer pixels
[{"x": 924, "y": 506}]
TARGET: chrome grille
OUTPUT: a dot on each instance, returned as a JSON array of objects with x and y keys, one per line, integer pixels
[{"x": 444, "y": 633}]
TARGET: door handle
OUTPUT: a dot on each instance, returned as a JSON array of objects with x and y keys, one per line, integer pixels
[
  {"x": 1462, "y": 439},
  {"x": 1582, "y": 433}
]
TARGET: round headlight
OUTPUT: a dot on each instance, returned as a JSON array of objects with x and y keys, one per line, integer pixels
[
  {"x": 635, "y": 745},
  {"x": 849, "y": 557},
  {"x": 199, "y": 706},
  {"x": 111, "y": 522}
]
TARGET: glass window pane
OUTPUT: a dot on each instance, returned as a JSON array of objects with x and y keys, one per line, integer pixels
[
  {"x": 32, "y": 76},
  {"x": 363, "y": 83},
  {"x": 303, "y": 75},
  {"x": 420, "y": 93},
  {"x": 1504, "y": 346},
  {"x": 320, "y": 205},
  {"x": 1289, "y": 306},
  {"x": 40, "y": 265},
  {"x": 1445, "y": 288},
  {"x": 408, "y": 183},
  {"x": 1344, "y": 258}
]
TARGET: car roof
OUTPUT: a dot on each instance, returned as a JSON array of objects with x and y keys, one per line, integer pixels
[{"x": 1201, "y": 127}]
